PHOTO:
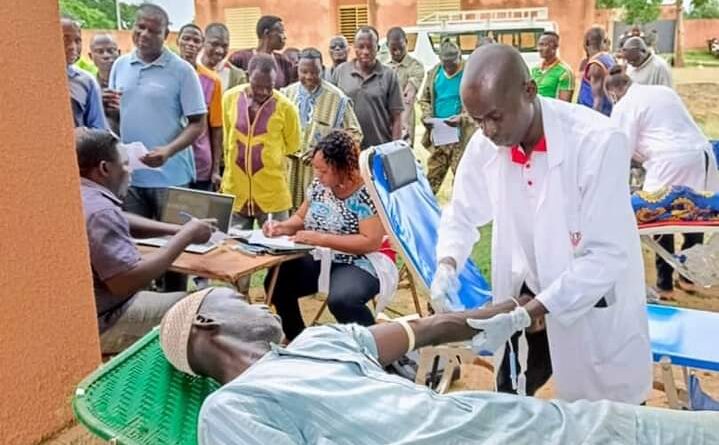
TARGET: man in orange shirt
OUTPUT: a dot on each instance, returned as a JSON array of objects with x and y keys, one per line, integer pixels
[{"x": 207, "y": 147}]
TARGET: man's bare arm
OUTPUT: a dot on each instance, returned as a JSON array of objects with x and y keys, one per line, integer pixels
[
  {"x": 596, "y": 80},
  {"x": 141, "y": 227},
  {"x": 566, "y": 95},
  {"x": 392, "y": 340}
]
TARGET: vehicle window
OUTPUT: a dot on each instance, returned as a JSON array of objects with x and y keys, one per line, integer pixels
[
  {"x": 525, "y": 40},
  {"x": 467, "y": 42},
  {"x": 411, "y": 41}
]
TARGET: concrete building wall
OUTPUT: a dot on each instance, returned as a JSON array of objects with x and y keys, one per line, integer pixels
[
  {"x": 314, "y": 22},
  {"x": 123, "y": 39},
  {"x": 308, "y": 23},
  {"x": 48, "y": 330},
  {"x": 697, "y": 32}
]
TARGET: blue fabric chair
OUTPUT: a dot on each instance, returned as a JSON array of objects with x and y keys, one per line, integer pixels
[
  {"x": 715, "y": 146},
  {"x": 413, "y": 228}
]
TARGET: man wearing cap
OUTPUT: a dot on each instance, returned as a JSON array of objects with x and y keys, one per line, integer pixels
[
  {"x": 645, "y": 67},
  {"x": 329, "y": 386},
  {"x": 441, "y": 99}
]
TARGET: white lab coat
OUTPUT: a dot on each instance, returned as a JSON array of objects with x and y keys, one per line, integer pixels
[
  {"x": 597, "y": 353},
  {"x": 665, "y": 139}
]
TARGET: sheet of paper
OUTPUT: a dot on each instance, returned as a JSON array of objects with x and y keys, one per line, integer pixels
[
  {"x": 217, "y": 237},
  {"x": 281, "y": 242},
  {"x": 443, "y": 134},
  {"x": 135, "y": 152}
]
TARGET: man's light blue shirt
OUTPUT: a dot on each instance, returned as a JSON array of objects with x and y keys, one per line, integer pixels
[
  {"x": 156, "y": 100},
  {"x": 327, "y": 387},
  {"x": 86, "y": 99}
]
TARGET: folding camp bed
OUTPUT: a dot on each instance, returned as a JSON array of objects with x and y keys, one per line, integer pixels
[
  {"x": 685, "y": 338},
  {"x": 680, "y": 210},
  {"x": 699, "y": 264}
]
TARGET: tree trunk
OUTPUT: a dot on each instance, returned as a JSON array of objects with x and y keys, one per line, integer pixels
[{"x": 679, "y": 36}]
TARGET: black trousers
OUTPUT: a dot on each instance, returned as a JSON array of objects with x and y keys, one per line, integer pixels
[
  {"x": 539, "y": 362},
  {"x": 350, "y": 289},
  {"x": 664, "y": 270}
]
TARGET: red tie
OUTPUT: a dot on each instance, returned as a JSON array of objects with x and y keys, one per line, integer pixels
[{"x": 518, "y": 155}]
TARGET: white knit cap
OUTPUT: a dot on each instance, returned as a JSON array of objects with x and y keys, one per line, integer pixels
[{"x": 175, "y": 330}]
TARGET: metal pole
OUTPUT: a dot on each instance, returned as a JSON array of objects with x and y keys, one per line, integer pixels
[{"x": 117, "y": 14}]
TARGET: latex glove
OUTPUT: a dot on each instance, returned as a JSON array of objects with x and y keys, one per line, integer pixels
[
  {"x": 497, "y": 331},
  {"x": 445, "y": 289}
]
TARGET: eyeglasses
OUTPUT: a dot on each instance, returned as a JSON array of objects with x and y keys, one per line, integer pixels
[{"x": 338, "y": 46}]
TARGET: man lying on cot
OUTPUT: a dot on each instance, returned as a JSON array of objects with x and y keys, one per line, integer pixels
[{"x": 329, "y": 386}]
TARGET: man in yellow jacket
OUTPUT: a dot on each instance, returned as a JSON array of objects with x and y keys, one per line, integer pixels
[{"x": 261, "y": 127}]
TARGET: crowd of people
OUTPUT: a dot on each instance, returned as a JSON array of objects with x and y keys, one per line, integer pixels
[{"x": 282, "y": 132}]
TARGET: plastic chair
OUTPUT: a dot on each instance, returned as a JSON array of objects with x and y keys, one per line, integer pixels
[{"x": 139, "y": 398}]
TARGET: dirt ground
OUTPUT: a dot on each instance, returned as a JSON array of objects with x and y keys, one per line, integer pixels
[{"x": 699, "y": 87}]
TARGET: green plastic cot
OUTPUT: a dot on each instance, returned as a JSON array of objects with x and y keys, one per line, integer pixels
[{"x": 139, "y": 398}]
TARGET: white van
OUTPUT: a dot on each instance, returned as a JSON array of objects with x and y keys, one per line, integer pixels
[{"x": 519, "y": 27}]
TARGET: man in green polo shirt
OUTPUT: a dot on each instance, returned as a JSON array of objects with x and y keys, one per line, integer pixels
[{"x": 554, "y": 77}]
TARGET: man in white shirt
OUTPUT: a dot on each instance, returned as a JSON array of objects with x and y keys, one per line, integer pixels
[
  {"x": 553, "y": 178},
  {"x": 664, "y": 138},
  {"x": 645, "y": 67}
]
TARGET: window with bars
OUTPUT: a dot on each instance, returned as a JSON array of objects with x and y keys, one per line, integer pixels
[
  {"x": 350, "y": 18},
  {"x": 242, "y": 23}
]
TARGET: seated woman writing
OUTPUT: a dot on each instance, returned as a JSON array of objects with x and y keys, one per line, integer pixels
[{"x": 337, "y": 214}]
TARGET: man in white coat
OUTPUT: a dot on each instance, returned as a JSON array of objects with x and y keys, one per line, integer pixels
[
  {"x": 664, "y": 138},
  {"x": 554, "y": 179}
]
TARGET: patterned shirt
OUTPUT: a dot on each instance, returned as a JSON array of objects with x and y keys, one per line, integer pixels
[
  {"x": 553, "y": 79},
  {"x": 329, "y": 214},
  {"x": 255, "y": 152}
]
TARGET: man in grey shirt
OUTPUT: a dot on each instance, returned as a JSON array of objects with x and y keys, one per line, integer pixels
[
  {"x": 125, "y": 312},
  {"x": 374, "y": 89},
  {"x": 645, "y": 67}
]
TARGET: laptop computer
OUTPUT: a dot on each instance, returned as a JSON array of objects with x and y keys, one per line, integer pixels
[{"x": 198, "y": 203}]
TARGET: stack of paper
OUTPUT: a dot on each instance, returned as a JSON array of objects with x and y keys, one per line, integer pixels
[{"x": 443, "y": 134}]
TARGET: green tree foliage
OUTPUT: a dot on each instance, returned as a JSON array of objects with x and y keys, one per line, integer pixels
[
  {"x": 645, "y": 11},
  {"x": 635, "y": 11},
  {"x": 100, "y": 14},
  {"x": 705, "y": 9}
]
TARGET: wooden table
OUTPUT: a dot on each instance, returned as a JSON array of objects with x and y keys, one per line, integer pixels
[{"x": 227, "y": 264}]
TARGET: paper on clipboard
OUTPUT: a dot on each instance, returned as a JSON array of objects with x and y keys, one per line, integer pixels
[
  {"x": 443, "y": 134},
  {"x": 135, "y": 152},
  {"x": 280, "y": 242}
]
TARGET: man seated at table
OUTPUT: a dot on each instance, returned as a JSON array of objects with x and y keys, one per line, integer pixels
[
  {"x": 329, "y": 386},
  {"x": 125, "y": 311}
]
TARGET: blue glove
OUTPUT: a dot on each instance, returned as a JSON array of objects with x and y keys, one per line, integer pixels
[
  {"x": 445, "y": 289},
  {"x": 496, "y": 331}
]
